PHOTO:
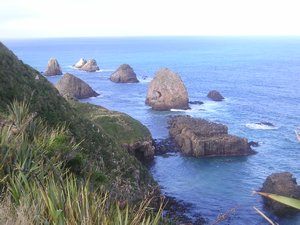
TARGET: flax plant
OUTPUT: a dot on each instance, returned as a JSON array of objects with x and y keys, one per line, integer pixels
[{"x": 37, "y": 188}]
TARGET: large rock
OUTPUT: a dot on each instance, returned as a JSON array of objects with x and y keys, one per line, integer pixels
[
  {"x": 124, "y": 74},
  {"x": 73, "y": 87},
  {"x": 198, "y": 137},
  {"x": 80, "y": 63},
  {"x": 90, "y": 66},
  {"x": 167, "y": 91},
  {"x": 53, "y": 68},
  {"x": 281, "y": 184},
  {"x": 215, "y": 95}
]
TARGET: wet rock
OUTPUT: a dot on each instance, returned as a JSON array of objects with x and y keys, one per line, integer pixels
[
  {"x": 53, "y": 68},
  {"x": 196, "y": 102},
  {"x": 281, "y": 184},
  {"x": 167, "y": 91},
  {"x": 73, "y": 87},
  {"x": 215, "y": 95},
  {"x": 266, "y": 124},
  {"x": 253, "y": 144},
  {"x": 124, "y": 74},
  {"x": 199, "y": 137}
]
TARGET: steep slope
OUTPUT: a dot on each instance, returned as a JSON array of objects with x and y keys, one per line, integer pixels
[{"x": 101, "y": 154}]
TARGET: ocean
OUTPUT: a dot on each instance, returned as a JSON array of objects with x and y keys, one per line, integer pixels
[{"x": 259, "y": 78}]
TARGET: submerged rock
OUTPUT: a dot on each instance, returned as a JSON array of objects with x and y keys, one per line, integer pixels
[
  {"x": 90, "y": 66},
  {"x": 167, "y": 91},
  {"x": 80, "y": 63},
  {"x": 281, "y": 184},
  {"x": 199, "y": 137},
  {"x": 53, "y": 68},
  {"x": 73, "y": 87},
  {"x": 124, "y": 74},
  {"x": 215, "y": 95},
  {"x": 196, "y": 103}
]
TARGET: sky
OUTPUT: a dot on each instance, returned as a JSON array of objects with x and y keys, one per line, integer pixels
[{"x": 96, "y": 18}]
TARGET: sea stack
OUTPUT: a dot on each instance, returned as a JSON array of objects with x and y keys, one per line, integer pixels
[
  {"x": 124, "y": 74},
  {"x": 215, "y": 96},
  {"x": 90, "y": 66},
  {"x": 199, "y": 138},
  {"x": 53, "y": 68},
  {"x": 80, "y": 63},
  {"x": 167, "y": 91},
  {"x": 73, "y": 87}
]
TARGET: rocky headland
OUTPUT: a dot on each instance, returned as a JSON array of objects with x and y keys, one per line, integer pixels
[
  {"x": 199, "y": 137},
  {"x": 167, "y": 91},
  {"x": 102, "y": 133}
]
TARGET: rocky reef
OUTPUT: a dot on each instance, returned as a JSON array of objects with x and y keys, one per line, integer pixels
[{"x": 199, "y": 137}]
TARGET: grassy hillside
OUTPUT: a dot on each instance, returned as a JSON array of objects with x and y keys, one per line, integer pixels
[{"x": 100, "y": 132}]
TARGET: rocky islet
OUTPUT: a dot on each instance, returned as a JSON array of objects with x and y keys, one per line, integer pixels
[{"x": 73, "y": 87}]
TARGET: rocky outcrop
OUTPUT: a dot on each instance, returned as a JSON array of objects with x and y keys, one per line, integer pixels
[
  {"x": 80, "y": 63},
  {"x": 281, "y": 184},
  {"x": 73, "y": 87},
  {"x": 124, "y": 74},
  {"x": 53, "y": 68},
  {"x": 90, "y": 66},
  {"x": 215, "y": 95},
  {"x": 198, "y": 137},
  {"x": 142, "y": 150},
  {"x": 167, "y": 91}
]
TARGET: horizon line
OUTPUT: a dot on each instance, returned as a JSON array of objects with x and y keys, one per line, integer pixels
[{"x": 155, "y": 36}]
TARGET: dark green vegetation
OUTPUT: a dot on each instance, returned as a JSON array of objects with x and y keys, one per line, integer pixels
[
  {"x": 100, "y": 132},
  {"x": 37, "y": 188}
]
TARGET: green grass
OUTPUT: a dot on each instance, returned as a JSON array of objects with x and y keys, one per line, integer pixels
[
  {"x": 38, "y": 188},
  {"x": 100, "y": 135}
]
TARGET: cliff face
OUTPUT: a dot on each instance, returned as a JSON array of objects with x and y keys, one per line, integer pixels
[{"x": 101, "y": 151}]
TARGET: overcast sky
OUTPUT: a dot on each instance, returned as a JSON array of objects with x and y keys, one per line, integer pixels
[{"x": 89, "y": 18}]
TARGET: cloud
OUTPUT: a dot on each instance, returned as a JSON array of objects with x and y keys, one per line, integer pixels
[{"x": 54, "y": 18}]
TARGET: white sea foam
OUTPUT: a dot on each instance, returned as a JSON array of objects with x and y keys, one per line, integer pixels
[
  {"x": 260, "y": 126},
  {"x": 179, "y": 110}
]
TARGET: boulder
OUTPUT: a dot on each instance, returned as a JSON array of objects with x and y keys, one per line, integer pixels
[
  {"x": 167, "y": 91},
  {"x": 73, "y": 87},
  {"x": 80, "y": 63},
  {"x": 199, "y": 137},
  {"x": 215, "y": 95},
  {"x": 281, "y": 184},
  {"x": 53, "y": 68},
  {"x": 124, "y": 74},
  {"x": 90, "y": 66}
]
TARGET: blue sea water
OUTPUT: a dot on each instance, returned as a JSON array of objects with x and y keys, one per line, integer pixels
[{"x": 259, "y": 77}]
